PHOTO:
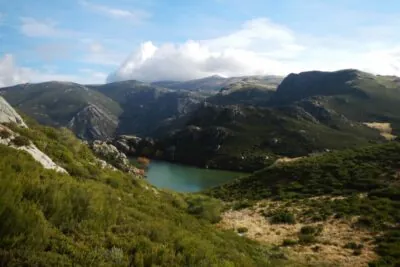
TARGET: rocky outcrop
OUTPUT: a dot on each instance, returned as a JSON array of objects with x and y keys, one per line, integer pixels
[
  {"x": 8, "y": 138},
  {"x": 9, "y": 115},
  {"x": 112, "y": 155},
  {"x": 93, "y": 123}
]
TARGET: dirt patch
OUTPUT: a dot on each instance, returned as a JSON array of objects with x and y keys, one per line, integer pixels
[
  {"x": 286, "y": 160},
  {"x": 384, "y": 128},
  {"x": 328, "y": 248}
]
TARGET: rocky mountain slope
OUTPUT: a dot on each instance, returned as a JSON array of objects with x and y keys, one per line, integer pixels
[
  {"x": 91, "y": 114},
  {"x": 147, "y": 107}
]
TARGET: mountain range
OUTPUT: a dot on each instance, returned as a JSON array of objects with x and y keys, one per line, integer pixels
[
  {"x": 325, "y": 191},
  {"x": 238, "y": 123}
]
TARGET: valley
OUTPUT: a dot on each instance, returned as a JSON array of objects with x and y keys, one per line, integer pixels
[{"x": 243, "y": 171}]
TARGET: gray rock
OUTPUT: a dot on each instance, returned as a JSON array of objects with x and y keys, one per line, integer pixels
[{"x": 8, "y": 114}]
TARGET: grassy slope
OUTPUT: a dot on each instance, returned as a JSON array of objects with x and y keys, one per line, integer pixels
[
  {"x": 373, "y": 170},
  {"x": 105, "y": 218}
]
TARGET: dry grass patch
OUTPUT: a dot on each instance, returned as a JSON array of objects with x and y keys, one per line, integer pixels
[
  {"x": 384, "y": 128},
  {"x": 328, "y": 248}
]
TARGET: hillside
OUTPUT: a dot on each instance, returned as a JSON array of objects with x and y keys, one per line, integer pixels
[
  {"x": 90, "y": 114},
  {"x": 98, "y": 216},
  {"x": 247, "y": 138},
  {"x": 357, "y": 95},
  {"x": 354, "y": 191},
  {"x": 146, "y": 107}
]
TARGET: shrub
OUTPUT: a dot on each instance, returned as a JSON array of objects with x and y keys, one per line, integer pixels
[
  {"x": 21, "y": 141},
  {"x": 289, "y": 242},
  {"x": 311, "y": 230},
  {"x": 4, "y": 134},
  {"x": 353, "y": 245},
  {"x": 205, "y": 208},
  {"x": 283, "y": 217},
  {"x": 242, "y": 230},
  {"x": 306, "y": 239},
  {"x": 242, "y": 204}
]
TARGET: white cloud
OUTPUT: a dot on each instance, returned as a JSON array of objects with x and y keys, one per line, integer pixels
[
  {"x": 97, "y": 53},
  {"x": 259, "y": 47},
  {"x": 136, "y": 15},
  {"x": 35, "y": 28},
  {"x": 11, "y": 74}
]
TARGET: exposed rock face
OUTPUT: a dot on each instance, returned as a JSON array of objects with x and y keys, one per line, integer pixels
[
  {"x": 112, "y": 155},
  {"x": 93, "y": 123},
  {"x": 42, "y": 158},
  {"x": 6, "y": 138},
  {"x": 8, "y": 114}
]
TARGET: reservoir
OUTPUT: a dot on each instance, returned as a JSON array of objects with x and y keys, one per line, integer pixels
[{"x": 182, "y": 178}]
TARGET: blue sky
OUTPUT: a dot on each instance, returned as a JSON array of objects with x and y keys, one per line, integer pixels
[{"x": 93, "y": 41}]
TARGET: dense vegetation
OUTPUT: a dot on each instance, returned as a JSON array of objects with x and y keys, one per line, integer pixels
[
  {"x": 367, "y": 179},
  {"x": 100, "y": 217}
]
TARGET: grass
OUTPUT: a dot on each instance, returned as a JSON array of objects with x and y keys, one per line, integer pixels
[
  {"x": 101, "y": 217},
  {"x": 360, "y": 182}
]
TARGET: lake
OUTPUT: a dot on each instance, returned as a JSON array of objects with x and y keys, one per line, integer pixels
[{"x": 183, "y": 178}]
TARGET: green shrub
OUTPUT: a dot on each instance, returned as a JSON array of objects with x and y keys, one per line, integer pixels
[
  {"x": 205, "y": 208},
  {"x": 311, "y": 230},
  {"x": 242, "y": 230},
  {"x": 353, "y": 245},
  {"x": 21, "y": 141},
  {"x": 242, "y": 204},
  {"x": 283, "y": 217},
  {"x": 306, "y": 239},
  {"x": 4, "y": 134},
  {"x": 289, "y": 242}
]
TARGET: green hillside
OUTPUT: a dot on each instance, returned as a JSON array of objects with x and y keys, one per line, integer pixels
[
  {"x": 100, "y": 217},
  {"x": 357, "y": 95},
  {"x": 362, "y": 184}
]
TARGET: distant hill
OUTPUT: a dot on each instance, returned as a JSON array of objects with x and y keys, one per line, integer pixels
[
  {"x": 215, "y": 83},
  {"x": 357, "y": 95},
  {"x": 147, "y": 107},
  {"x": 89, "y": 113}
]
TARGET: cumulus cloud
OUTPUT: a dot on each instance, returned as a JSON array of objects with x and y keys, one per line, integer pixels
[
  {"x": 12, "y": 74},
  {"x": 258, "y": 47},
  {"x": 136, "y": 16}
]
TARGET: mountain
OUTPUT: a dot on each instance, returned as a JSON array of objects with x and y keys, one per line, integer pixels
[
  {"x": 357, "y": 95},
  {"x": 94, "y": 215},
  {"x": 247, "y": 138},
  {"x": 147, "y": 107},
  {"x": 216, "y": 82},
  {"x": 246, "y": 124},
  {"x": 91, "y": 114}
]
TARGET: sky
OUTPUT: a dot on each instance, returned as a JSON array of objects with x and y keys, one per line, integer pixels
[{"x": 98, "y": 41}]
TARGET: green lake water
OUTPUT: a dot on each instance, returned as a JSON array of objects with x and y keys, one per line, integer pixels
[{"x": 183, "y": 178}]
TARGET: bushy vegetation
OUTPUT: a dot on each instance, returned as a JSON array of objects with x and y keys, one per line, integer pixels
[
  {"x": 21, "y": 141},
  {"x": 100, "y": 217},
  {"x": 283, "y": 216},
  {"x": 365, "y": 179}
]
